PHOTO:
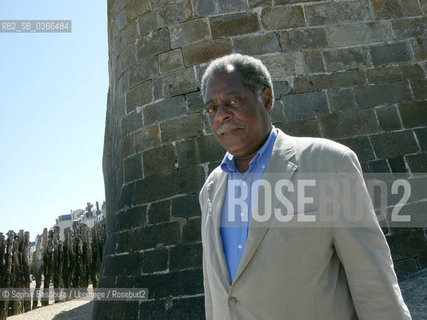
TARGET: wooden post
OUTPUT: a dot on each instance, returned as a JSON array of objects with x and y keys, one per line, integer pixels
[
  {"x": 47, "y": 266},
  {"x": 56, "y": 261},
  {"x": 26, "y": 268},
  {"x": 2, "y": 274},
  {"x": 36, "y": 270},
  {"x": 4, "y": 312}
]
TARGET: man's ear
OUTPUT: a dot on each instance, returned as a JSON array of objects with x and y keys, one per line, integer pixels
[{"x": 267, "y": 99}]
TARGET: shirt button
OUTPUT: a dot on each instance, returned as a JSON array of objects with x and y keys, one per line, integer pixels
[
  {"x": 240, "y": 246},
  {"x": 232, "y": 301},
  {"x": 244, "y": 183}
]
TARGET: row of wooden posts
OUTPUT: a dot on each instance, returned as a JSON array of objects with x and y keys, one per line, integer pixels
[{"x": 72, "y": 263}]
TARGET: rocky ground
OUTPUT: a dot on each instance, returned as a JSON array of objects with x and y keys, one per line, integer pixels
[{"x": 414, "y": 289}]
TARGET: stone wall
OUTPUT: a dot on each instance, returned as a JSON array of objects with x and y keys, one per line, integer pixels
[{"x": 349, "y": 70}]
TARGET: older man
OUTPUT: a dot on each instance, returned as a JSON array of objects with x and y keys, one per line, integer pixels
[{"x": 280, "y": 261}]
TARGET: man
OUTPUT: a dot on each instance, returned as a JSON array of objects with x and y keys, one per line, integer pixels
[{"x": 260, "y": 262}]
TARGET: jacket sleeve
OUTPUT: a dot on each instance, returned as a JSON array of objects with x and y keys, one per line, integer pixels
[
  {"x": 208, "y": 296},
  {"x": 362, "y": 248}
]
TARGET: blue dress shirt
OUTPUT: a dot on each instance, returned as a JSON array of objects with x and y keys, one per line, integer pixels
[{"x": 237, "y": 208}]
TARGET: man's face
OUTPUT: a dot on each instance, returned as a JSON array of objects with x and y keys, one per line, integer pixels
[{"x": 238, "y": 117}]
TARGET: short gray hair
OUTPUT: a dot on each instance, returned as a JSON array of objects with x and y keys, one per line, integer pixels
[{"x": 253, "y": 72}]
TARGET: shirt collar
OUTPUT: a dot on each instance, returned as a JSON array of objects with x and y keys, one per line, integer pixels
[{"x": 228, "y": 165}]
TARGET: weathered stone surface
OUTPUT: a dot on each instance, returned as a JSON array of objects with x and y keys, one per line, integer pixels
[
  {"x": 147, "y": 137},
  {"x": 346, "y": 58},
  {"x": 159, "y": 212},
  {"x": 181, "y": 128},
  {"x": 389, "y": 118},
  {"x": 393, "y": 144},
  {"x": 175, "y": 12},
  {"x": 163, "y": 109},
  {"x": 158, "y": 160},
  {"x": 148, "y": 23},
  {"x": 337, "y": 12},
  {"x": 171, "y": 61},
  {"x": 397, "y": 165},
  {"x": 205, "y": 51},
  {"x": 194, "y": 102},
  {"x": 361, "y": 146},
  {"x": 386, "y": 9},
  {"x": 257, "y": 44},
  {"x": 182, "y": 308},
  {"x": 186, "y": 256},
  {"x": 417, "y": 163},
  {"x": 186, "y": 206},
  {"x": 282, "y": 65},
  {"x": 408, "y": 245},
  {"x": 174, "y": 83},
  {"x": 162, "y": 285},
  {"x": 127, "y": 36},
  {"x": 419, "y": 88},
  {"x": 410, "y": 27},
  {"x": 121, "y": 20},
  {"x": 348, "y": 124},
  {"x": 204, "y": 8},
  {"x": 209, "y": 149},
  {"x": 389, "y": 52},
  {"x": 259, "y": 3},
  {"x": 395, "y": 73},
  {"x": 133, "y": 168},
  {"x": 155, "y": 260},
  {"x": 226, "y": 6},
  {"x": 301, "y": 128},
  {"x": 139, "y": 95},
  {"x": 131, "y": 218},
  {"x": 341, "y": 99},
  {"x": 186, "y": 152},
  {"x": 379, "y": 166},
  {"x": 154, "y": 235},
  {"x": 189, "y": 32},
  {"x": 383, "y": 93},
  {"x": 301, "y": 39},
  {"x": 155, "y": 43},
  {"x": 304, "y": 106},
  {"x": 145, "y": 69},
  {"x": 419, "y": 48},
  {"x": 318, "y": 82},
  {"x": 234, "y": 24},
  {"x": 191, "y": 231},
  {"x": 136, "y": 8},
  {"x": 282, "y": 17},
  {"x": 127, "y": 58},
  {"x": 277, "y": 115},
  {"x": 357, "y": 34},
  {"x": 422, "y": 138},
  {"x": 314, "y": 61},
  {"x": 281, "y": 88},
  {"x": 131, "y": 123},
  {"x": 411, "y": 8},
  {"x": 128, "y": 264},
  {"x": 414, "y": 115},
  {"x": 122, "y": 85}
]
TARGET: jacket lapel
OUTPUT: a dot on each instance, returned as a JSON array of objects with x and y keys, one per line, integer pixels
[{"x": 279, "y": 167}]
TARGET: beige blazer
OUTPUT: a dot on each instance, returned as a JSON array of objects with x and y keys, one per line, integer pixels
[{"x": 342, "y": 270}]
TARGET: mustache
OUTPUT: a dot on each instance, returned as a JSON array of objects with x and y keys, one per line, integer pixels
[{"x": 227, "y": 127}]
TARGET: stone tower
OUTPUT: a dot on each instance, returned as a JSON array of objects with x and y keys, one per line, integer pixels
[{"x": 349, "y": 70}]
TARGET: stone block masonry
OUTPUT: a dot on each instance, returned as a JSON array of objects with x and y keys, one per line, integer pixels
[{"x": 351, "y": 70}]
